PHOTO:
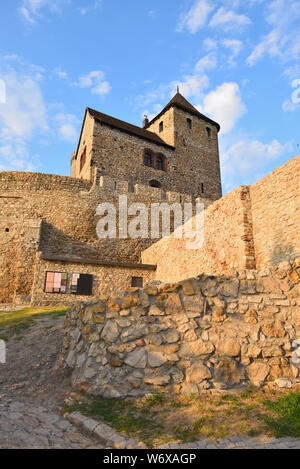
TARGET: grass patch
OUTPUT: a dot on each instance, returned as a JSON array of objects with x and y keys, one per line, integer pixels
[
  {"x": 16, "y": 322},
  {"x": 161, "y": 418},
  {"x": 286, "y": 421}
]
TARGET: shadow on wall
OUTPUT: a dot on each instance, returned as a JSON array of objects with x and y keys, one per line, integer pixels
[{"x": 283, "y": 252}]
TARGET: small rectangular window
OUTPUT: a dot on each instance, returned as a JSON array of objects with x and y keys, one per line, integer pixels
[
  {"x": 202, "y": 188},
  {"x": 161, "y": 126},
  {"x": 189, "y": 124},
  {"x": 82, "y": 284},
  {"x": 56, "y": 282},
  {"x": 208, "y": 131},
  {"x": 137, "y": 282}
]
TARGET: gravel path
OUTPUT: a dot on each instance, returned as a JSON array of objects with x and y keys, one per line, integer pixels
[{"x": 33, "y": 387}]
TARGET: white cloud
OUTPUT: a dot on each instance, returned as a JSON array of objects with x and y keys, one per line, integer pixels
[
  {"x": 283, "y": 41},
  {"x": 210, "y": 44},
  {"x": 229, "y": 19},
  {"x": 208, "y": 62},
  {"x": 289, "y": 106},
  {"x": 196, "y": 17},
  {"x": 25, "y": 110},
  {"x": 224, "y": 105},
  {"x": 95, "y": 80},
  {"x": 95, "y": 5},
  {"x": 30, "y": 10},
  {"x": 190, "y": 86},
  {"x": 235, "y": 45},
  {"x": 67, "y": 126},
  {"x": 247, "y": 160}
]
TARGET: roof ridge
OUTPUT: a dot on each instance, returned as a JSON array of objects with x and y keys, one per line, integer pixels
[
  {"x": 181, "y": 102},
  {"x": 127, "y": 127}
]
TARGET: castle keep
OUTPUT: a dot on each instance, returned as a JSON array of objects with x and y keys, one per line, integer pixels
[{"x": 49, "y": 249}]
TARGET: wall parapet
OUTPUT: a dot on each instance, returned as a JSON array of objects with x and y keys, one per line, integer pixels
[
  {"x": 21, "y": 181},
  {"x": 202, "y": 333}
]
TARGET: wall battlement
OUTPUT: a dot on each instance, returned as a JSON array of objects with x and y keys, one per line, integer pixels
[{"x": 14, "y": 181}]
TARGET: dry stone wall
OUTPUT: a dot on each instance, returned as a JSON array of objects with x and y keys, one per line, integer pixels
[{"x": 203, "y": 333}]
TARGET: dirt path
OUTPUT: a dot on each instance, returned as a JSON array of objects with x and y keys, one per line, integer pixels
[{"x": 32, "y": 391}]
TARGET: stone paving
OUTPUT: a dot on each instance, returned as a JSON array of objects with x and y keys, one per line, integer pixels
[
  {"x": 236, "y": 442},
  {"x": 23, "y": 426}
]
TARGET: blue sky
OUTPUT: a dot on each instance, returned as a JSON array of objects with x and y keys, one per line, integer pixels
[{"x": 237, "y": 62}]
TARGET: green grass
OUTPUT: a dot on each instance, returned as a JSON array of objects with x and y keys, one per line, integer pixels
[
  {"x": 14, "y": 323},
  {"x": 286, "y": 421},
  {"x": 125, "y": 416},
  {"x": 161, "y": 418}
]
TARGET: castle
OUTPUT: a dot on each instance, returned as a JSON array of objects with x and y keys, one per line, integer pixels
[{"x": 50, "y": 252}]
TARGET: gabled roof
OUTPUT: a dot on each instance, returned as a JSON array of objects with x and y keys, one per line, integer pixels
[
  {"x": 181, "y": 103},
  {"x": 128, "y": 128}
]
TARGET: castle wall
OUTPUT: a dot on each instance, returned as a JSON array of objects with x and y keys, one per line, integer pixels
[
  {"x": 56, "y": 215},
  {"x": 204, "y": 333},
  {"x": 106, "y": 279},
  {"x": 276, "y": 215},
  {"x": 228, "y": 242},
  {"x": 251, "y": 227}
]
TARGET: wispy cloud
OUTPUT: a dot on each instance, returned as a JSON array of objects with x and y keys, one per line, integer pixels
[
  {"x": 247, "y": 160},
  {"x": 283, "y": 41},
  {"x": 96, "y": 81},
  {"x": 87, "y": 8},
  {"x": 30, "y": 10},
  {"x": 196, "y": 17},
  {"x": 229, "y": 19}
]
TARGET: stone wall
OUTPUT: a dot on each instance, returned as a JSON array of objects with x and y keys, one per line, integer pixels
[
  {"x": 203, "y": 333},
  {"x": 228, "y": 242},
  {"x": 276, "y": 215},
  {"x": 107, "y": 278},
  {"x": 63, "y": 210},
  {"x": 251, "y": 227}
]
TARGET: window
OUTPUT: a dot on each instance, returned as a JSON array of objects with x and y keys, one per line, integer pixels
[
  {"x": 189, "y": 124},
  {"x": 154, "y": 183},
  {"x": 137, "y": 282},
  {"x": 202, "y": 188},
  {"x": 148, "y": 160},
  {"x": 161, "y": 126},
  {"x": 82, "y": 284},
  {"x": 6, "y": 230},
  {"x": 159, "y": 163},
  {"x": 56, "y": 282},
  {"x": 208, "y": 131},
  {"x": 83, "y": 159}
]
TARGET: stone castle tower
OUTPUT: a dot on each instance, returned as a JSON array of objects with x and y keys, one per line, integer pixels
[{"x": 177, "y": 151}]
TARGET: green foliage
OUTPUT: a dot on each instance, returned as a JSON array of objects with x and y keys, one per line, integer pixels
[
  {"x": 287, "y": 410},
  {"x": 16, "y": 322}
]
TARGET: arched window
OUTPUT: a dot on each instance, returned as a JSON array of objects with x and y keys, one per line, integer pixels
[
  {"x": 161, "y": 126},
  {"x": 154, "y": 183},
  {"x": 159, "y": 163},
  {"x": 148, "y": 159}
]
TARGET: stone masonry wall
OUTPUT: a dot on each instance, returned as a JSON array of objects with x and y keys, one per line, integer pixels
[
  {"x": 276, "y": 215},
  {"x": 106, "y": 279},
  {"x": 228, "y": 242},
  {"x": 203, "y": 333},
  {"x": 67, "y": 207}
]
